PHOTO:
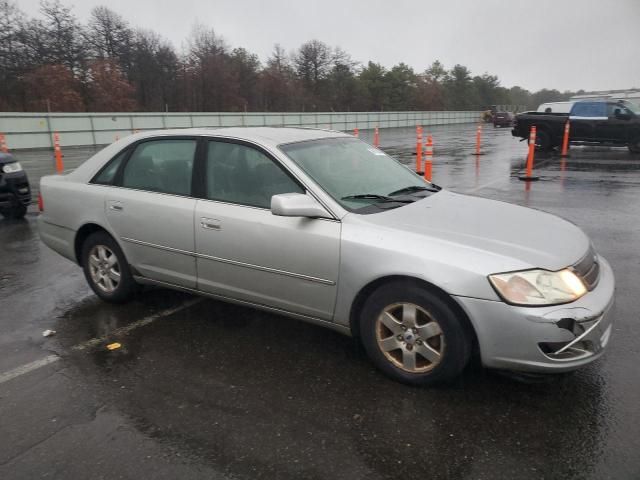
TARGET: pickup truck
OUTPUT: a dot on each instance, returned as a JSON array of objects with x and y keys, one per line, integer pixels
[{"x": 592, "y": 122}]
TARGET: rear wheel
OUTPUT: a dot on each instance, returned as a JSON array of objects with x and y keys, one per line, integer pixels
[
  {"x": 634, "y": 145},
  {"x": 15, "y": 212},
  {"x": 412, "y": 335},
  {"x": 106, "y": 269},
  {"x": 543, "y": 140}
]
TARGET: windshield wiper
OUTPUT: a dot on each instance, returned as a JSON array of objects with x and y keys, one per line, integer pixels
[
  {"x": 375, "y": 196},
  {"x": 416, "y": 188}
]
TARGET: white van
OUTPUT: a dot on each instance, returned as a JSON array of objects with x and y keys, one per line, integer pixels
[{"x": 556, "y": 107}]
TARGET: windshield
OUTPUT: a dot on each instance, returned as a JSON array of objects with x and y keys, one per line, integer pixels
[
  {"x": 633, "y": 107},
  {"x": 347, "y": 167}
]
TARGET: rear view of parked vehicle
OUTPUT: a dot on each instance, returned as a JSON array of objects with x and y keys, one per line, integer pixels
[
  {"x": 502, "y": 119},
  {"x": 15, "y": 193}
]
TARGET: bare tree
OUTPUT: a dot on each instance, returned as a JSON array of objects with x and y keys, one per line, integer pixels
[
  {"x": 108, "y": 64},
  {"x": 313, "y": 63},
  {"x": 153, "y": 72},
  {"x": 61, "y": 36},
  {"x": 13, "y": 58},
  {"x": 279, "y": 88},
  {"x": 110, "y": 37}
]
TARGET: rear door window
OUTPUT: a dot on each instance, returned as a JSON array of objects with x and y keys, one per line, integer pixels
[
  {"x": 589, "y": 110},
  {"x": 163, "y": 166}
]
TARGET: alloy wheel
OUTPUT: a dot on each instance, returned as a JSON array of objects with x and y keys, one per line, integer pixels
[
  {"x": 104, "y": 268},
  {"x": 410, "y": 338}
]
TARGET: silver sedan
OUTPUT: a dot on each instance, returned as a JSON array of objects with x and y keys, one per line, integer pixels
[{"x": 325, "y": 228}]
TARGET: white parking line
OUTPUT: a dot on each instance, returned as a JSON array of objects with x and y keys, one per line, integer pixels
[
  {"x": 28, "y": 367},
  {"x": 94, "y": 342}
]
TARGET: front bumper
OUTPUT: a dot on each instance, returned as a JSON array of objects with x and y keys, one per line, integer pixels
[
  {"x": 14, "y": 189},
  {"x": 544, "y": 339}
]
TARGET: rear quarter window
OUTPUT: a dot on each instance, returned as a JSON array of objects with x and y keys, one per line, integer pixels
[{"x": 107, "y": 175}]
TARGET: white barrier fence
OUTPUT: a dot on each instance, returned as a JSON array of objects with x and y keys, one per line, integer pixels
[{"x": 35, "y": 130}]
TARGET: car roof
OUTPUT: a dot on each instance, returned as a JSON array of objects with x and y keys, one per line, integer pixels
[{"x": 271, "y": 136}]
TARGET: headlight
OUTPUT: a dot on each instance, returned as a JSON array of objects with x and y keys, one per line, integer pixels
[
  {"x": 538, "y": 287},
  {"x": 12, "y": 167}
]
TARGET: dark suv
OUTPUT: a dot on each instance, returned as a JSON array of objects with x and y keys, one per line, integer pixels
[
  {"x": 15, "y": 193},
  {"x": 502, "y": 119}
]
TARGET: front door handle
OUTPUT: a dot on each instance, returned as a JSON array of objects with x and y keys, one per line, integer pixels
[
  {"x": 210, "y": 223},
  {"x": 116, "y": 206}
]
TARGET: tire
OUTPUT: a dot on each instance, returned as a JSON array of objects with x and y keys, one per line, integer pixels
[
  {"x": 543, "y": 141},
  {"x": 16, "y": 212},
  {"x": 413, "y": 323},
  {"x": 634, "y": 145},
  {"x": 106, "y": 268}
]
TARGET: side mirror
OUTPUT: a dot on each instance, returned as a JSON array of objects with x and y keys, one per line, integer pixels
[{"x": 297, "y": 205}]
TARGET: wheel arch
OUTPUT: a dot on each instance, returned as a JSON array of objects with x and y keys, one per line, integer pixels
[
  {"x": 82, "y": 234},
  {"x": 547, "y": 130},
  {"x": 367, "y": 290}
]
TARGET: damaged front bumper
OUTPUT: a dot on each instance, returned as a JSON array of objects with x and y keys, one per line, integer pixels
[{"x": 544, "y": 339}]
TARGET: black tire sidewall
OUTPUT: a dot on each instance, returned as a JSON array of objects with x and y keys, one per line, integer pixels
[
  {"x": 457, "y": 344},
  {"x": 543, "y": 140},
  {"x": 127, "y": 285}
]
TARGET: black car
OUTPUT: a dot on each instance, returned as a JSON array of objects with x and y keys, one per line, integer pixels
[
  {"x": 15, "y": 193},
  {"x": 502, "y": 119}
]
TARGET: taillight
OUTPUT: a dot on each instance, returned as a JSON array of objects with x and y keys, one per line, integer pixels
[{"x": 40, "y": 202}]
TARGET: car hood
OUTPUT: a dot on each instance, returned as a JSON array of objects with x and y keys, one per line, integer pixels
[
  {"x": 6, "y": 158},
  {"x": 528, "y": 236}
]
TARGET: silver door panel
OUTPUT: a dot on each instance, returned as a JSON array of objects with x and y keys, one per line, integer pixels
[
  {"x": 156, "y": 233},
  {"x": 250, "y": 254}
]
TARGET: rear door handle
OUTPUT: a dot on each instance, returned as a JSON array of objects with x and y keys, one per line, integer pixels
[
  {"x": 116, "y": 206},
  {"x": 210, "y": 223}
]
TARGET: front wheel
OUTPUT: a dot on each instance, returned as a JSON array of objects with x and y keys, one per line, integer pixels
[
  {"x": 106, "y": 269},
  {"x": 413, "y": 336}
]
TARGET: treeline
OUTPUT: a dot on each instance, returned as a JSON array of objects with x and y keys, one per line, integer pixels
[{"x": 56, "y": 63}]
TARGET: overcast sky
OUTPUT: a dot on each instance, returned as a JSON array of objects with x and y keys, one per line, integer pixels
[{"x": 562, "y": 44}]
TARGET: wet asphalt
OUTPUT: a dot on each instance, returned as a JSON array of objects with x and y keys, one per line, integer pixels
[{"x": 201, "y": 389}]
